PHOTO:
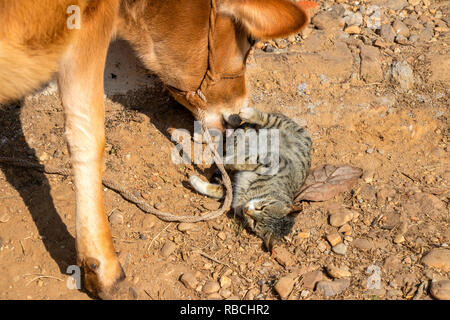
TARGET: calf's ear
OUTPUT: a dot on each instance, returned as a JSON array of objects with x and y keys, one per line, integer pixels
[{"x": 266, "y": 19}]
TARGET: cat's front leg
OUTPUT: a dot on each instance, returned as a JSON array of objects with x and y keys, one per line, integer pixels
[{"x": 252, "y": 116}]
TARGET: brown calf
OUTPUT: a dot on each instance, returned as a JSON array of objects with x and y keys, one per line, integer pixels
[{"x": 197, "y": 47}]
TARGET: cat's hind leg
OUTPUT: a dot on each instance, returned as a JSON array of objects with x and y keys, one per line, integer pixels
[{"x": 208, "y": 189}]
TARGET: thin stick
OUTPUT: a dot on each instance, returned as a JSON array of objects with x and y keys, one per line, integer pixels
[
  {"x": 220, "y": 262},
  {"x": 42, "y": 276},
  {"x": 151, "y": 242}
]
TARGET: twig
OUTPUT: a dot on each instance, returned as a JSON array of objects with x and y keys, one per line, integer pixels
[
  {"x": 151, "y": 242},
  {"x": 223, "y": 263},
  {"x": 39, "y": 277}
]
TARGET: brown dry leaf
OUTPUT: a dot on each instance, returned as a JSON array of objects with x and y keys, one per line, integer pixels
[{"x": 326, "y": 181}]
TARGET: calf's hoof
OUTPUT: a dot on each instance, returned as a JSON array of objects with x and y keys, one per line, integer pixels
[{"x": 119, "y": 289}]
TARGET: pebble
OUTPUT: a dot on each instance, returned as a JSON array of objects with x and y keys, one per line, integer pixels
[
  {"x": 438, "y": 258},
  {"x": 225, "y": 293},
  {"x": 371, "y": 69},
  {"x": 353, "y": 30},
  {"x": 440, "y": 289},
  {"x": 186, "y": 226},
  {"x": 328, "y": 21},
  {"x": 211, "y": 287},
  {"x": 225, "y": 282},
  {"x": 233, "y": 298},
  {"x": 283, "y": 256},
  {"x": 340, "y": 249},
  {"x": 310, "y": 279},
  {"x": 222, "y": 235},
  {"x": 346, "y": 229},
  {"x": 353, "y": 19},
  {"x": 338, "y": 273},
  {"x": 403, "y": 74},
  {"x": 334, "y": 238},
  {"x": 116, "y": 218},
  {"x": 400, "y": 28},
  {"x": 303, "y": 234},
  {"x": 332, "y": 288},
  {"x": 168, "y": 248},
  {"x": 387, "y": 33},
  {"x": 251, "y": 294},
  {"x": 284, "y": 286},
  {"x": 363, "y": 244},
  {"x": 340, "y": 217},
  {"x": 214, "y": 296},
  {"x": 189, "y": 280},
  {"x": 211, "y": 205}
]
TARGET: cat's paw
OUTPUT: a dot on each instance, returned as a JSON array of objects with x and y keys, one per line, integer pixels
[{"x": 247, "y": 113}]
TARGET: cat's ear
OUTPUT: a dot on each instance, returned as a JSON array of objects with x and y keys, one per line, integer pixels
[{"x": 269, "y": 241}]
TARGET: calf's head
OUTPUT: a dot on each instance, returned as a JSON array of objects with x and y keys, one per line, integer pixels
[{"x": 190, "y": 48}]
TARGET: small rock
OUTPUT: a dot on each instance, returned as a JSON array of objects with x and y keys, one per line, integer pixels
[
  {"x": 340, "y": 249},
  {"x": 353, "y": 30},
  {"x": 346, "y": 229},
  {"x": 402, "y": 40},
  {"x": 353, "y": 19},
  {"x": 363, "y": 244},
  {"x": 400, "y": 28},
  {"x": 225, "y": 293},
  {"x": 332, "y": 288},
  {"x": 225, "y": 282},
  {"x": 116, "y": 218},
  {"x": 340, "y": 217},
  {"x": 403, "y": 74},
  {"x": 211, "y": 287},
  {"x": 337, "y": 273},
  {"x": 310, "y": 279},
  {"x": 251, "y": 294},
  {"x": 211, "y": 205},
  {"x": 186, "y": 226},
  {"x": 302, "y": 88},
  {"x": 328, "y": 21},
  {"x": 303, "y": 234},
  {"x": 168, "y": 248},
  {"x": 414, "y": 2},
  {"x": 283, "y": 256},
  {"x": 284, "y": 287},
  {"x": 387, "y": 33},
  {"x": 426, "y": 34},
  {"x": 214, "y": 296},
  {"x": 371, "y": 70},
  {"x": 233, "y": 298},
  {"x": 392, "y": 264},
  {"x": 438, "y": 258},
  {"x": 222, "y": 235},
  {"x": 440, "y": 289},
  {"x": 189, "y": 280},
  {"x": 334, "y": 238}
]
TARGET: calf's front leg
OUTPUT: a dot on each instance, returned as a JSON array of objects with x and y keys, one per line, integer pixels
[{"x": 80, "y": 82}]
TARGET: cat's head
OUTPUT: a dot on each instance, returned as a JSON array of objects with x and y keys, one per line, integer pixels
[{"x": 270, "y": 219}]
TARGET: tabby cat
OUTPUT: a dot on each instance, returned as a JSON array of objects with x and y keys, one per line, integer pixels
[{"x": 265, "y": 200}]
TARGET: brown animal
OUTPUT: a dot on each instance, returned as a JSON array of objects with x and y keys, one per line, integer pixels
[{"x": 197, "y": 47}]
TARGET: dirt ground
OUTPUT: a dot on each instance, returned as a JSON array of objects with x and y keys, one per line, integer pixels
[{"x": 359, "y": 110}]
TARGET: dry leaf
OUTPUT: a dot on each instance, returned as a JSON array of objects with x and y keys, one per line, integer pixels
[{"x": 326, "y": 181}]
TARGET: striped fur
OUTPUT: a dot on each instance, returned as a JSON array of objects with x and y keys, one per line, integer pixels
[{"x": 265, "y": 202}]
